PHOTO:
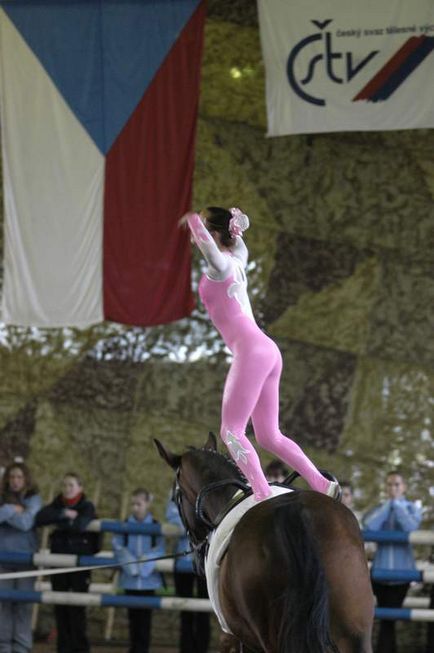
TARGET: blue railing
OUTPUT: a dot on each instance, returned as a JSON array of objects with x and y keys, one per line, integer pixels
[
  {"x": 46, "y": 559},
  {"x": 166, "y": 603},
  {"x": 171, "y": 530}
]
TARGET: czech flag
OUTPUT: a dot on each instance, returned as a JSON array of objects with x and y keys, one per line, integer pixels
[{"x": 99, "y": 104}]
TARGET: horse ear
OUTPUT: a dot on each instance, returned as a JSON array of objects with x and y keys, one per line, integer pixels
[
  {"x": 171, "y": 458},
  {"x": 211, "y": 443}
]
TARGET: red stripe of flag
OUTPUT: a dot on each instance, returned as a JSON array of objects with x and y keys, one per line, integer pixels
[
  {"x": 148, "y": 186},
  {"x": 389, "y": 68}
]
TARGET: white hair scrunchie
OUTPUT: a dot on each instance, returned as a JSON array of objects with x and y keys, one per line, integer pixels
[{"x": 238, "y": 223}]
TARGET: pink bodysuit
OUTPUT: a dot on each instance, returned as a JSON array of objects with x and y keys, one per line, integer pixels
[{"x": 252, "y": 384}]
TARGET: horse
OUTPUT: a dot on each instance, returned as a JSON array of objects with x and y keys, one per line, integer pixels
[{"x": 294, "y": 578}]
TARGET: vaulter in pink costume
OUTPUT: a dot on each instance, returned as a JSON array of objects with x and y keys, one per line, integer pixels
[{"x": 252, "y": 384}]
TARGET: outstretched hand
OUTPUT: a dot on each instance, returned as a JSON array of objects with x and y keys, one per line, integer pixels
[{"x": 183, "y": 221}]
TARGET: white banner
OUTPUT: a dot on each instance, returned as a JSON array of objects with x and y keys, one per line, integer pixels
[{"x": 348, "y": 65}]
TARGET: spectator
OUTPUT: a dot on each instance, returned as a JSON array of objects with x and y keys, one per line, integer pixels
[
  {"x": 139, "y": 578},
  {"x": 19, "y": 503},
  {"x": 276, "y": 471},
  {"x": 347, "y": 494},
  {"x": 348, "y": 499},
  {"x": 70, "y": 513},
  {"x": 195, "y": 626},
  {"x": 396, "y": 513}
]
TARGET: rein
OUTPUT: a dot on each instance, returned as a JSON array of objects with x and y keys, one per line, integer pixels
[
  {"x": 200, "y": 546},
  {"x": 73, "y": 570},
  {"x": 242, "y": 492}
]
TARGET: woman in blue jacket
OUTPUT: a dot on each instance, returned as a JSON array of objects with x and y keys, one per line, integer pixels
[
  {"x": 139, "y": 578},
  {"x": 394, "y": 514},
  {"x": 19, "y": 503}
]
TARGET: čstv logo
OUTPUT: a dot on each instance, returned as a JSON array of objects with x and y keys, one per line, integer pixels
[{"x": 341, "y": 67}]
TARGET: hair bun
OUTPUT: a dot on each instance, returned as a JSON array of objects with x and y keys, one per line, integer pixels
[{"x": 238, "y": 223}]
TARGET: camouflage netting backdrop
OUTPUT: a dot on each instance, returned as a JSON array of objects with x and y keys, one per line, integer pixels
[
  {"x": 341, "y": 274},
  {"x": 342, "y": 253}
]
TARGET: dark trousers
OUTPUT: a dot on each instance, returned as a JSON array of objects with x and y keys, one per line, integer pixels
[
  {"x": 139, "y": 622},
  {"x": 195, "y": 628},
  {"x": 71, "y": 621},
  {"x": 388, "y": 596}
]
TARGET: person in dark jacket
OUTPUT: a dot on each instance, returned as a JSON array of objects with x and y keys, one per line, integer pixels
[
  {"x": 70, "y": 513},
  {"x": 19, "y": 503}
]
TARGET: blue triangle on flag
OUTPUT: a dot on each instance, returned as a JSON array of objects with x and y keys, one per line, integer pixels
[{"x": 101, "y": 54}]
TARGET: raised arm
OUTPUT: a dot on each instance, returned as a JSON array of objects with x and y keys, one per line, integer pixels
[
  {"x": 375, "y": 519},
  {"x": 219, "y": 265},
  {"x": 240, "y": 250},
  {"x": 409, "y": 515}
]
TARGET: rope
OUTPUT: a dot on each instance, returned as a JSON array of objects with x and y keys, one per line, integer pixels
[{"x": 34, "y": 573}]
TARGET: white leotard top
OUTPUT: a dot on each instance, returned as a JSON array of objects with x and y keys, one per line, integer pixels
[{"x": 227, "y": 268}]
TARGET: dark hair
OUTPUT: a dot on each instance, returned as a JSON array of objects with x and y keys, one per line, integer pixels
[
  {"x": 30, "y": 487},
  {"x": 141, "y": 492},
  {"x": 218, "y": 220},
  {"x": 74, "y": 475},
  {"x": 276, "y": 467},
  {"x": 347, "y": 484}
]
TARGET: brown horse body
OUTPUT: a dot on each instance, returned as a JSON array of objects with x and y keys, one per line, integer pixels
[
  {"x": 253, "y": 574},
  {"x": 294, "y": 578}
]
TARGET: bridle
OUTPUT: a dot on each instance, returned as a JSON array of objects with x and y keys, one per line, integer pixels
[
  {"x": 199, "y": 511},
  {"x": 198, "y": 544}
]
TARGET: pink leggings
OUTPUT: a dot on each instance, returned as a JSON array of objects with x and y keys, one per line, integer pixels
[{"x": 252, "y": 391}]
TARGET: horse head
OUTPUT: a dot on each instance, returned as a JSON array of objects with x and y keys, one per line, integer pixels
[{"x": 205, "y": 481}]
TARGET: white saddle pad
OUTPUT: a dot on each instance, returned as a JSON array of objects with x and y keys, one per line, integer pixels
[{"x": 219, "y": 542}]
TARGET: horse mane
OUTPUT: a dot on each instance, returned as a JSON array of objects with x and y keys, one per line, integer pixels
[{"x": 215, "y": 465}]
